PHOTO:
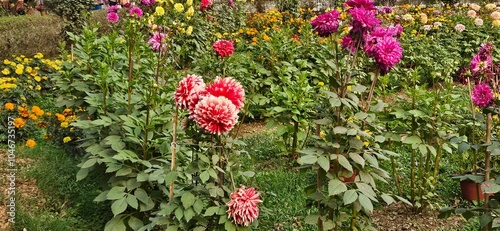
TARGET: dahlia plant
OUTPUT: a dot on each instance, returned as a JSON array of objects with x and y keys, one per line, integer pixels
[{"x": 362, "y": 49}]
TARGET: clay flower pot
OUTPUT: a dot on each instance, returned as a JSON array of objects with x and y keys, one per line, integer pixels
[{"x": 469, "y": 190}]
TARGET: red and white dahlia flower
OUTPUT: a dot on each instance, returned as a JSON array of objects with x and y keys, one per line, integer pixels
[
  {"x": 229, "y": 88},
  {"x": 216, "y": 115},
  {"x": 186, "y": 95},
  {"x": 243, "y": 206},
  {"x": 223, "y": 47}
]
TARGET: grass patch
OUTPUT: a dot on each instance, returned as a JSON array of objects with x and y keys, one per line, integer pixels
[{"x": 68, "y": 204}]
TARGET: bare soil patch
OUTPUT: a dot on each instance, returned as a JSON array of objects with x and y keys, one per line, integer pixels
[{"x": 398, "y": 216}]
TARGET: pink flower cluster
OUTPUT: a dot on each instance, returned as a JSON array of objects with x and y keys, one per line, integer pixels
[
  {"x": 205, "y": 4},
  {"x": 367, "y": 33},
  {"x": 327, "y": 23},
  {"x": 223, "y": 47},
  {"x": 136, "y": 11},
  {"x": 214, "y": 107},
  {"x": 148, "y": 2},
  {"x": 482, "y": 95},
  {"x": 243, "y": 208},
  {"x": 157, "y": 42}
]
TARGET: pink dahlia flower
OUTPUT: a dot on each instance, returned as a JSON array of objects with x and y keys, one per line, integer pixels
[
  {"x": 113, "y": 17},
  {"x": 188, "y": 88},
  {"x": 223, "y": 47},
  {"x": 216, "y": 115},
  {"x": 112, "y": 9},
  {"x": 157, "y": 42},
  {"x": 482, "y": 95},
  {"x": 243, "y": 206},
  {"x": 135, "y": 11},
  {"x": 459, "y": 27},
  {"x": 363, "y": 20},
  {"x": 229, "y": 88},
  {"x": 366, "y": 4},
  {"x": 387, "y": 53},
  {"x": 327, "y": 23},
  {"x": 148, "y": 2},
  {"x": 348, "y": 43},
  {"x": 205, "y": 4},
  {"x": 483, "y": 60}
]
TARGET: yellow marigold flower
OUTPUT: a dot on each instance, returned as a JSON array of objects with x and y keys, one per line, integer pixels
[
  {"x": 66, "y": 139},
  {"x": 10, "y": 106},
  {"x": 23, "y": 98},
  {"x": 30, "y": 143},
  {"x": 60, "y": 117},
  {"x": 64, "y": 124},
  {"x": 190, "y": 12},
  {"x": 19, "y": 71},
  {"x": 38, "y": 87},
  {"x": 189, "y": 2},
  {"x": 218, "y": 35},
  {"x": 6, "y": 62},
  {"x": 33, "y": 117},
  {"x": 48, "y": 114},
  {"x": 5, "y": 71},
  {"x": 179, "y": 8},
  {"x": 366, "y": 143},
  {"x": 38, "y": 56},
  {"x": 28, "y": 69},
  {"x": 321, "y": 84},
  {"x": 30, "y": 87},
  {"x": 322, "y": 134},
  {"x": 18, "y": 122},
  {"x": 349, "y": 88},
  {"x": 189, "y": 30},
  {"x": 496, "y": 23},
  {"x": 159, "y": 11}
]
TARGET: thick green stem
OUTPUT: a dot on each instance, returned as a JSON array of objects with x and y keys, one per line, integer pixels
[
  {"x": 294, "y": 140},
  {"x": 370, "y": 94}
]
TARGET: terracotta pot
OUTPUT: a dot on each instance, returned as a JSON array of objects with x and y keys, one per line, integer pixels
[
  {"x": 469, "y": 190},
  {"x": 344, "y": 176}
]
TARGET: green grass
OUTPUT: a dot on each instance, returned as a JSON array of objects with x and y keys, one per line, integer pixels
[{"x": 69, "y": 204}]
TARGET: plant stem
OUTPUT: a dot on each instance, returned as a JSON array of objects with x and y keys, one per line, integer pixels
[
  {"x": 318, "y": 189},
  {"x": 487, "y": 159},
  {"x": 294, "y": 140},
  {"x": 173, "y": 147},
  {"x": 372, "y": 88}
]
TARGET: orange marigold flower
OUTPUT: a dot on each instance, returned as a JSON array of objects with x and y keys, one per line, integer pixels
[
  {"x": 41, "y": 124},
  {"x": 67, "y": 111},
  {"x": 47, "y": 137},
  {"x": 30, "y": 143},
  {"x": 25, "y": 113},
  {"x": 60, "y": 117},
  {"x": 10, "y": 106},
  {"x": 33, "y": 117},
  {"x": 37, "y": 110},
  {"x": 18, "y": 122}
]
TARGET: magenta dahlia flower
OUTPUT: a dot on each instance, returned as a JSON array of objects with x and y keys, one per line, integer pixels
[
  {"x": 387, "y": 53},
  {"x": 223, "y": 47},
  {"x": 363, "y": 19},
  {"x": 327, "y": 23},
  {"x": 216, "y": 115},
  {"x": 113, "y": 17},
  {"x": 157, "y": 42},
  {"x": 243, "y": 208},
  {"x": 112, "y": 9},
  {"x": 349, "y": 44},
  {"x": 188, "y": 89},
  {"x": 366, "y": 4},
  {"x": 482, "y": 95},
  {"x": 229, "y": 88},
  {"x": 135, "y": 11},
  {"x": 480, "y": 64},
  {"x": 148, "y": 2}
]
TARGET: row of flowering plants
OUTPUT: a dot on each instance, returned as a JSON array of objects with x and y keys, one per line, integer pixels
[{"x": 165, "y": 138}]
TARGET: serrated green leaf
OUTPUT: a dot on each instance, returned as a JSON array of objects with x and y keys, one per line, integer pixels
[
  {"x": 204, "y": 176},
  {"x": 366, "y": 203},
  {"x": 357, "y": 158},
  {"x": 308, "y": 159},
  {"x": 324, "y": 163},
  {"x": 117, "y": 192},
  {"x": 412, "y": 140},
  {"x": 119, "y": 206},
  {"x": 335, "y": 187},
  {"x": 344, "y": 162},
  {"x": 350, "y": 196},
  {"x": 115, "y": 224},
  {"x": 211, "y": 211},
  {"x": 89, "y": 163},
  {"x": 135, "y": 223},
  {"x": 132, "y": 201},
  {"x": 170, "y": 177},
  {"x": 141, "y": 195},
  {"x": 187, "y": 199},
  {"x": 82, "y": 173},
  {"x": 387, "y": 199},
  {"x": 102, "y": 196}
]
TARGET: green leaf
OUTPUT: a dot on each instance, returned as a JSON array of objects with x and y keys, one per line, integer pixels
[
  {"x": 229, "y": 226},
  {"x": 179, "y": 213},
  {"x": 324, "y": 121},
  {"x": 357, "y": 158},
  {"x": 81, "y": 174},
  {"x": 172, "y": 228},
  {"x": 211, "y": 211},
  {"x": 282, "y": 129},
  {"x": 496, "y": 222},
  {"x": 366, "y": 203},
  {"x": 311, "y": 219},
  {"x": 188, "y": 214},
  {"x": 89, "y": 163},
  {"x": 135, "y": 223},
  {"x": 350, "y": 196},
  {"x": 335, "y": 187},
  {"x": 142, "y": 176},
  {"x": 339, "y": 130},
  {"x": 187, "y": 199},
  {"x": 324, "y": 163},
  {"x": 485, "y": 219},
  {"x": 344, "y": 162},
  {"x": 388, "y": 199},
  {"x": 141, "y": 195},
  {"x": 102, "y": 196},
  {"x": 119, "y": 206},
  {"x": 308, "y": 159},
  {"x": 124, "y": 171},
  {"x": 171, "y": 176},
  {"x": 115, "y": 224},
  {"x": 117, "y": 192},
  {"x": 412, "y": 140},
  {"x": 132, "y": 201},
  {"x": 204, "y": 176}
]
